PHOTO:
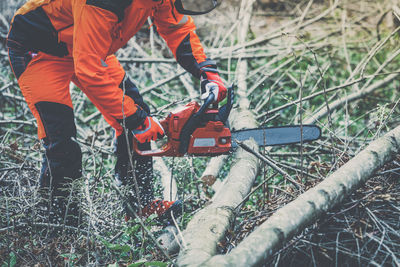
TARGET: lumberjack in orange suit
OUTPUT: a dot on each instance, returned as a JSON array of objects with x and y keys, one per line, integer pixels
[{"x": 54, "y": 42}]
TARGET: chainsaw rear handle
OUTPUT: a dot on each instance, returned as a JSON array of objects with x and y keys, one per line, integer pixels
[
  {"x": 187, "y": 130},
  {"x": 166, "y": 151}
]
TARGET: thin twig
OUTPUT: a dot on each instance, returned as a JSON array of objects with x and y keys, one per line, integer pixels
[{"x": 269, "y": 162}]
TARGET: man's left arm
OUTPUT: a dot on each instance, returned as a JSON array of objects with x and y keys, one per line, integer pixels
[{"x": 179, "y": 32}]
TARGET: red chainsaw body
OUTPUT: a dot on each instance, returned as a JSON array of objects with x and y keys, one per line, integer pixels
[{"x": 208, "y": 139}]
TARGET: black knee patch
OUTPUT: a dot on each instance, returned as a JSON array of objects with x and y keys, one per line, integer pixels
[
  {"x": 63, "y": 156},
  {"x": 34, "y": 31},
  {"x": 57, "y": 119}
]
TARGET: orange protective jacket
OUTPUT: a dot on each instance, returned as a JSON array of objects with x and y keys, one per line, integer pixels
[
  {"x": 89, "y": 31},
  {"x": 93, "y": 29}
]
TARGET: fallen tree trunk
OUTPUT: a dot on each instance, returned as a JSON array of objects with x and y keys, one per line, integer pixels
[
  {"x": 210, "y": 174},
  {"x": 213, "y": 168},
  {"x": 308, "y": 207}
]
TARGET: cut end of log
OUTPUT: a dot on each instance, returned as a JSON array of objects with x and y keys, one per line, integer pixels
[
  {"x": 169, "y": 240},
  {"x": 209, "y": 179}
]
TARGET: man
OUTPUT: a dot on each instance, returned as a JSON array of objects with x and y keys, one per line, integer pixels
[{"x": 54, "y": 42}]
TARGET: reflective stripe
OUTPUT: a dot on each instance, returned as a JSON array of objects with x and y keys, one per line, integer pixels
[
  {"x": 180, "y": 23},
  {"x": 103, "y": 63}
]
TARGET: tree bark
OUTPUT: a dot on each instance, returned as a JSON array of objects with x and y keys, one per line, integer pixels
[{"x": 213, "y": 168}]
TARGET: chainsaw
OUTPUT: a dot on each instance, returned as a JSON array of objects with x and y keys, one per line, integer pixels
[{"x": 201, "y": 130}]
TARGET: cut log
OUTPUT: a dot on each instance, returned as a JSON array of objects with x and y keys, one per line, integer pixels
[{"x": 213, "y": 168}]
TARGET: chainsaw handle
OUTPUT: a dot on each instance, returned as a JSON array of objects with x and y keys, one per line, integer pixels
[{"x": 208, "y": 101}]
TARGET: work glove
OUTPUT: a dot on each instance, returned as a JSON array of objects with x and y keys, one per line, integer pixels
[
  {"x": 150, "y": 129},
  {"x": 211, "y": 82}
]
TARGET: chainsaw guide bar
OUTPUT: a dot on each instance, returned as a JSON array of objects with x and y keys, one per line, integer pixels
[{"x": 282, "y": 135}]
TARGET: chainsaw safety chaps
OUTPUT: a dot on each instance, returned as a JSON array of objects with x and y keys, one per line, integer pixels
[{"x": 125, "y": 176}]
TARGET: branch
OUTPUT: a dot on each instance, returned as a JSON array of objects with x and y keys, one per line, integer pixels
[{"x": 269, "y": 162}]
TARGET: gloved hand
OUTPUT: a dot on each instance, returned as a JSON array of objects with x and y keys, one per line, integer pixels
[
  {"x": 211, "y": 82},
  {"x": 151, "y": 129}
]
